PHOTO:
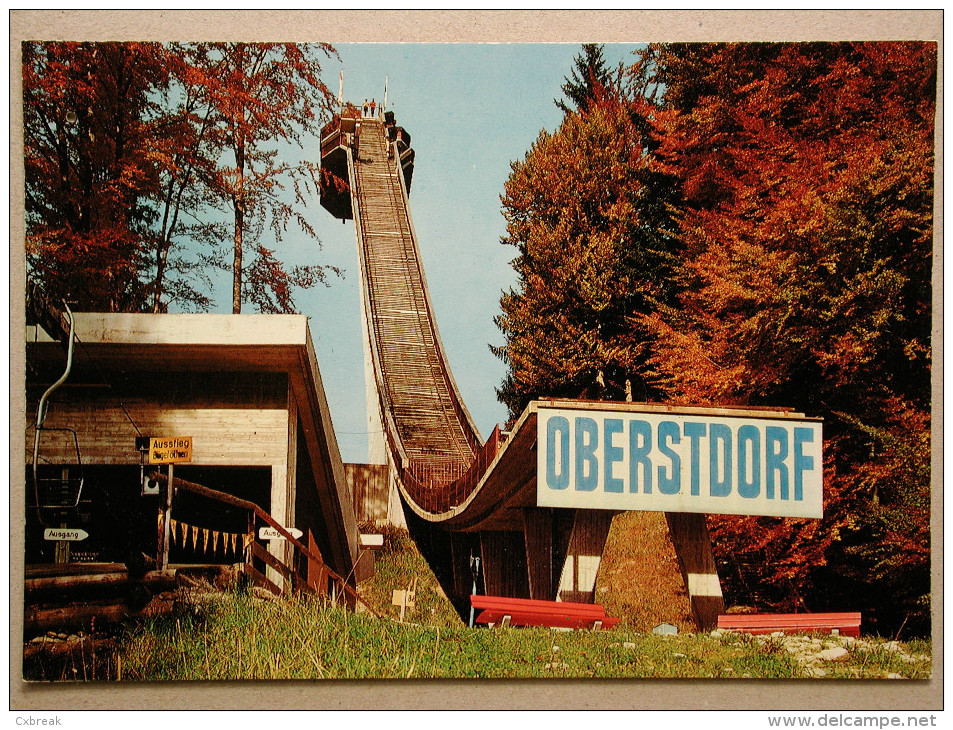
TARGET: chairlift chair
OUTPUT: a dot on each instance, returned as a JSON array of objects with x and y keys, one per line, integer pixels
[{"x": 57, "y": 497}]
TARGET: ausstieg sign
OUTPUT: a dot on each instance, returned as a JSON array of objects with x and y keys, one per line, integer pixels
[{"x": 673, "y": 462}]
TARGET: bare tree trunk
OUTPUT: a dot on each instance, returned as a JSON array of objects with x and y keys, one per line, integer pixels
[
  {"x": 238, "y": 203},
  {"x": 162, "y": 255}
]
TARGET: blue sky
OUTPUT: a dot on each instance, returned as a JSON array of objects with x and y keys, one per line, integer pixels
[{"x": 471, "y": 110}]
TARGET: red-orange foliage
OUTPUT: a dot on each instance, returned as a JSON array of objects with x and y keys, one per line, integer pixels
[
  {"x": 90, "y": 167},
  {"x": 126, "y": 178},
  {"x": 805, "y": 229},
  {"x": 259, "y": 95},
  {"x": 753, "y": 225}
]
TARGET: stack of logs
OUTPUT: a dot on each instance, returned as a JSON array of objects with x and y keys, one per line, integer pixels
[{"x": 81, "y": 600}]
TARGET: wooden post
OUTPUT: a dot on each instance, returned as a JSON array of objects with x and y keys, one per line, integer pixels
[
  {"x": 317, "y": 576},
  {"x": 166, "y": 537},
  {"x": 463, "y": 545},
  {"x": 61, "y": 548},
  {"x": 160, "y": 528},
  {"x": 577, "y": 581},
  {"x": 504, "y": 571},
  {"x": 692, "y": 544},
  {"x": 538, "y": 529},
  {"x": 250, "y": 530},
  {"x": 494, "y": 556}
]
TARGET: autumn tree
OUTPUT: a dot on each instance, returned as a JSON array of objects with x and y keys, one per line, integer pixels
[
  {"x": 90, "y": 121},
  {"x": 186, "y": 227},
  {"x": 781, "y": 197},
  {"x": 592, "y": 255},
  {"x": 126, "y": 170},
  {"x": 261, "y": 98},
  {"x": 804, "y": 227}
]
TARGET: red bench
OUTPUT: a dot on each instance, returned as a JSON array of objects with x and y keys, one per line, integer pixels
[
  {"x": 845, "y": 624},
  {"x": 497, "y": 610}
]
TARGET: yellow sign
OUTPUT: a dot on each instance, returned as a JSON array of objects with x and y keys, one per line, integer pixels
[{"x": 170, "y": 450}]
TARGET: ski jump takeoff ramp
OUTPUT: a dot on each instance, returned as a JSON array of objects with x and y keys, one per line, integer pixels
[{"x": 474, "y": 507}]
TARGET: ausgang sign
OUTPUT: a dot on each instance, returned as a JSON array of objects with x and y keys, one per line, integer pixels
[
  {"x": 64, "y": 533},
  {"x": 679, "y": 462}
]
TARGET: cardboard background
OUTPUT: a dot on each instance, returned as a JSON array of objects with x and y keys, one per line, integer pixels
[{"x": 570, "y": 26}]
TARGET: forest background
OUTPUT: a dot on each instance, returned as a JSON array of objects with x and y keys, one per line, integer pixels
[{"x": 733, "y": 224}]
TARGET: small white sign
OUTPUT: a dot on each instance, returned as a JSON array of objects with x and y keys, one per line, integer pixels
[
  {"x": 374, "y": 542},
  {"x": 64, "y": 533},
  {"x": 270, "y": 533}
]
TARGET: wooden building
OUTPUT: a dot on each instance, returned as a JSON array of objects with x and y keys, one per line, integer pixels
[{"x": 245, "y": 388}]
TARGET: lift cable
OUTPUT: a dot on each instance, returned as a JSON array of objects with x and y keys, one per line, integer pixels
[{"x": 109, "y": 384}]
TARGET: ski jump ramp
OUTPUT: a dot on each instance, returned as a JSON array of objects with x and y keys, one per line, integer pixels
[{"x": 470, "y": 503}]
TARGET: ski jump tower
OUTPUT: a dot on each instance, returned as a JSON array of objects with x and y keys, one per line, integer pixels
[{"x": 535, "y": 505}]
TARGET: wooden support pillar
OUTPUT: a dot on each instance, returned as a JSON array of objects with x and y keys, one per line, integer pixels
[
  {"x": 493, "y": 552},
  {"x": 290, "y": 518},
  {"x": 463, "y": 545},
  {"x": 279, "y": 509},
  {"x": 317, "y": 575},
  {"x": 504, "y": 564},
  {"x": 692, "y": 544},
  {"x": 249, "y": 538},
  {"x": 538, "y": 533},
  {"x": 165, "y": 521},
  {"x": 577, "y": 581},
  {"x": 395, "y": 507}
]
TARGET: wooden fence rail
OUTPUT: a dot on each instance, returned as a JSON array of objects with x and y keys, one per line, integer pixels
[{"x": 299, "y": 583}]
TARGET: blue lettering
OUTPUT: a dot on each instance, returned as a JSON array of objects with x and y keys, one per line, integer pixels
[
  {"x": 802, "y": 463},
  {"x": 719, "y": 434},
  {"x": 640, "y": 444},
  {"x": 749, "y": 461},
  {"x": 557, "y": 425},
  {"x": 613, "y": 454},
  {"x": 587, "y": 466},
  {"x": 671, "y": 484},
  {"x": 776, "y": 451},
  {"x": 695, "y": 431}
]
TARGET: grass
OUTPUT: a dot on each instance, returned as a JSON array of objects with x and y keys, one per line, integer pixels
[
  {"x": 400, "y": 566},
  {"x": 239, "y": 635},
  {"x": 243, "y": 637},
  {"x": 639, "y": 578}
]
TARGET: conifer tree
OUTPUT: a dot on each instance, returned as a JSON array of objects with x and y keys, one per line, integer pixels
[
  {"x": 587, "y": 214},
  {"x": 589, "y": 80},
  {"x": 780, "y": 197}
]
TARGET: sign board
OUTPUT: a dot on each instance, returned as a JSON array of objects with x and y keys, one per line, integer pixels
[
  {"x": 270, "y": 533},
  {"x": 671, "y": 462},
  {"x": 170, "y": 450},
  {"x": 64, "y": 533},
  {"x": 373, "y": 542}
]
